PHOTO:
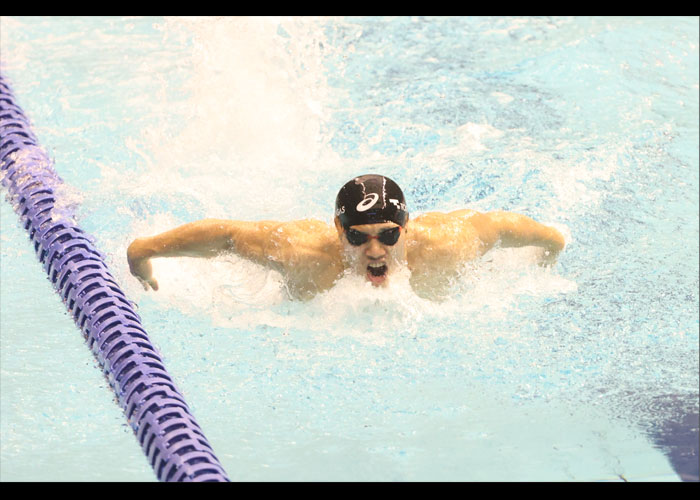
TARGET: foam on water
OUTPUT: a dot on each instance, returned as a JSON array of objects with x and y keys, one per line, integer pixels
[
  {"x": 577, "y": 122},
  {"x": 249, "y": 120},
  {"x": 260, "y": 131}
]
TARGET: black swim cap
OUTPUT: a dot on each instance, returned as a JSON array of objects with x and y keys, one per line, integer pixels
[{"x": 370, "y": 199}]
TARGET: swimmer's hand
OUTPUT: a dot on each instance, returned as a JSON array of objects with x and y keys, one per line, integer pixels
[
  {"x": 548, "y": 257},
  {"x": 560, "y": 237},
  {"x": 140, "y": 265},
  {"x": 551, "y": 248}
]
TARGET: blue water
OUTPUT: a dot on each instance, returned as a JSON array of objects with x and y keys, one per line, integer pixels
[{"x": 585, "y": 372}]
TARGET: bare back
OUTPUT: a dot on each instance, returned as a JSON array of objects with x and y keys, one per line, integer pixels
[
  {"x": 309, "y": 252},
  {"x": 439, "y": 243}
]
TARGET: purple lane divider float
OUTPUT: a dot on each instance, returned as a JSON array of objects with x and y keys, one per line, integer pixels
[{"x": 170, "y": 437}]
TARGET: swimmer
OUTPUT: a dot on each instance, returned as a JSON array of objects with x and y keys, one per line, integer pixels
[{"x": 373, "y": 237}]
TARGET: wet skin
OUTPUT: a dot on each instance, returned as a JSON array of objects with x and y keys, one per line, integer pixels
[{"x": 312, "y": 255}]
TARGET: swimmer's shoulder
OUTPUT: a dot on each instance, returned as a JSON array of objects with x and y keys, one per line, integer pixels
[
  {"x": 438, "y": 224},
  {"x": 310, "y": 256},
  {"x": 443, "y": 237},
  {"x": 440, "y": 217},
  {"x": 311, "y": 237},
  {"x": 308, "y": 226}
]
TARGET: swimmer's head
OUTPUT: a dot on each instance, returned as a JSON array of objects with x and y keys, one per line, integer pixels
[
  {"x": 370, "y": 199},
  {"x": 371, "y": 219}
]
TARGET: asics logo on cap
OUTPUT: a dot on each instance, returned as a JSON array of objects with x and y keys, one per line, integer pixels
[{"x": 369, "y": 201}]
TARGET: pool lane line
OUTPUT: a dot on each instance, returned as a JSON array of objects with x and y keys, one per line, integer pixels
[{"x": 168, "y": 433}]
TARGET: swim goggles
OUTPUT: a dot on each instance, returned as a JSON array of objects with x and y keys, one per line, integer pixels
[{"x": 387, "y": 237}]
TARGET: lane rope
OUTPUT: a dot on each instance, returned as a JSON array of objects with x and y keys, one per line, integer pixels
[{"x": 168, "y": 433}]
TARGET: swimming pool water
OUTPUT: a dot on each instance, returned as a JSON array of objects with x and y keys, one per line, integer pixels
[{"x": 585, "y": 372}]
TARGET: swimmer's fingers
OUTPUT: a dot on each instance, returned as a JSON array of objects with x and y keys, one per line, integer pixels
[
  {"x": 145, "y": 277},
  {"x": 142, "y": 270},
  {"x": 148, "y": 284},
  {"x": 548, "y": 258}
]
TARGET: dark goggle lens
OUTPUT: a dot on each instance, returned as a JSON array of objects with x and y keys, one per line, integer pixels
[
  {"x": 387, "y": 237},
  {"x": 390, "y": 236}
]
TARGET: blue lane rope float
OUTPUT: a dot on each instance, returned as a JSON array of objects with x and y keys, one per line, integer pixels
[{"x": 168, "y": 433}]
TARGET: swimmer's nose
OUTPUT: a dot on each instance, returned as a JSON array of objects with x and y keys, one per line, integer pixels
[{"x": 375, "y": 250}]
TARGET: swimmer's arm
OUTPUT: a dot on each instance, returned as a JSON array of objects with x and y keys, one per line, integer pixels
[
  {"x": 204, "y": 238},
  {"x": 510, "y": 229}
]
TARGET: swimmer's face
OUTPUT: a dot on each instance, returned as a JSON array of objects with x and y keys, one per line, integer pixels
[{"x": 375, "y": 257}]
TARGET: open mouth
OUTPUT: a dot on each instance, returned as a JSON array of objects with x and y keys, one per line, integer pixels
[{"x": 376, "y": 273}]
